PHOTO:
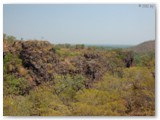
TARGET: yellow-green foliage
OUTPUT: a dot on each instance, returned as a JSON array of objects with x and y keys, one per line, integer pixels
[
  {"x": 96, "y": 102},
  {"x": 109, "y": 83},
  {"x": 40, "y": 102},
  {"x": 11, "y": 63},
  {"x": 16, "y": 106},
  {"x": 9, "y": 38},
  {"x": 83, "y": 109},
  {"x": 135, "y": 91},
  {"x": 12, "y": 84},
  {"x": 140, "y": 94},
  {"x": 115, "y": 90},
  {"x": 15, "y": 85},
  {"x": 45, "y": 103},
  {"x": 66, "y": 52},
  {"x": 67, "y": 86}
]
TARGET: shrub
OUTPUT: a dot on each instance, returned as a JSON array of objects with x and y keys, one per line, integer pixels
[
  {"x": 16, "y": 106},
  {"x": 67, "y": 86},
  {"x": 44, "y": 103},
  {"x": 140, "y": 95},
  {"x": 97, "y": 102},
  {"x": 16, "y": 86}
]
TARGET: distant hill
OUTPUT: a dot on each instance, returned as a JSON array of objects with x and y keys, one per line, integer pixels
[{"x": 144, "y": 47}]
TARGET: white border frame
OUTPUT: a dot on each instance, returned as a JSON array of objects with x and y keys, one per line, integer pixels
[{"x": 157, "y": 83}]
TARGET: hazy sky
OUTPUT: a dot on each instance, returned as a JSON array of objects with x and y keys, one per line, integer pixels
[{"x": 88, "y": 24}]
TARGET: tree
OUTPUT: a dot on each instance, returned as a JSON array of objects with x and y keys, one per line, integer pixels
[
  {"x": 140, "y": 91},
  {"x": 15, "y": 86},
  {"x": 67, "y": 86},
  {"x": 16, "y": 106},
  {"x": 92, "y": 102},
  {"x": 45, "y": 103}
]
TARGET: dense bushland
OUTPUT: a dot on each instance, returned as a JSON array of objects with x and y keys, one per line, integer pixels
[{"x": 41, "y": 79}]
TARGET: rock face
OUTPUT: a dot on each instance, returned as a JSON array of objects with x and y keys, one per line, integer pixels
[
  {"x": 41, "y": 62},
  {"x": 129, "y": 58},
  {"x": 40, "y": 58}
]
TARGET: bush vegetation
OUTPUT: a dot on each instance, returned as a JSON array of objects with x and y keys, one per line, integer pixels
[{"x": 101, "y": 83}]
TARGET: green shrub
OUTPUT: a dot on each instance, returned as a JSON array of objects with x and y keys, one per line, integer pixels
[
  {"x": 16, "y": 86},
  {"x": 96, "y": 102},
  {"x": 45, "y": 103},
  {"x": 67, "y": 86},
  {"x": 140, "y": 91},
  {"x": 16, "y": 106}
]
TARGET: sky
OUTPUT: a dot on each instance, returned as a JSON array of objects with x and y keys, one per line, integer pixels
[{"x": 102, "y": 24}]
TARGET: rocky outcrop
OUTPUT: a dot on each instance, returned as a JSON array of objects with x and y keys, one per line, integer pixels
[
  {"x": 40, "y": 59},
  {"x": 41, "y": 62}
]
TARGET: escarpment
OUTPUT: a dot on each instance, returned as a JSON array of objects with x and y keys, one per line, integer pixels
[{"x": 42, "y": 61}]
